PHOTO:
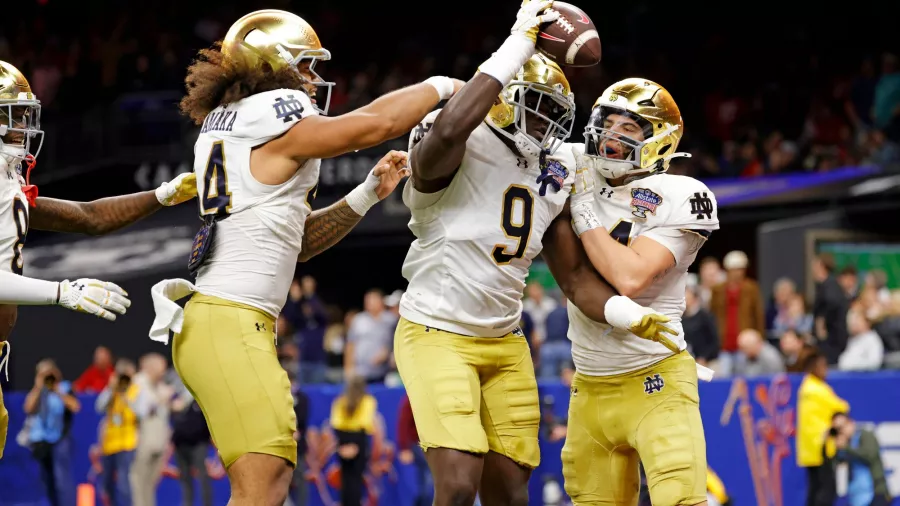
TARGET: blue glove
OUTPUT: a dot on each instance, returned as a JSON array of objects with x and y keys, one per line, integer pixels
[{"x": 554, "y": 174}]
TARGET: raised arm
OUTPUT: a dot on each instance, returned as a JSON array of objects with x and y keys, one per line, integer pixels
[
  {"x": 107, "y": 215},
  {"x": 437, "y": 157},
  {"x": 572, "y": 270},
  {"x": 326, "y": 227},
  {"x": 388, "y": 117}
]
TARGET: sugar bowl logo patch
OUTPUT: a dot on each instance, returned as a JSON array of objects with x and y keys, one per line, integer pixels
[{"x": 644, "y": 201}]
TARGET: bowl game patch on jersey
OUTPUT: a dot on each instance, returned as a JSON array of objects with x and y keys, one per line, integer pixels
[{"x": 644, "y": 201}]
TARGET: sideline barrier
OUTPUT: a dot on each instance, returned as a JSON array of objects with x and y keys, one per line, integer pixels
[{"x": 756, "y": 416}]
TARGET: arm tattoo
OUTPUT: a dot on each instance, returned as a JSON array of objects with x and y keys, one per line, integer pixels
[
  {"x": 99, "y": 217},
  {"x": 326, "y": 227}
]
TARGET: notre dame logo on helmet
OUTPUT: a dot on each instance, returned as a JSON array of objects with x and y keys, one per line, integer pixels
[{"x": 613, "y": 97}]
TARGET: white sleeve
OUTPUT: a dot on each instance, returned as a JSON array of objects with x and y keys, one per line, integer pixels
[
  {"x": 22, "y": 291},
  {"x": 684, "y": 244}
]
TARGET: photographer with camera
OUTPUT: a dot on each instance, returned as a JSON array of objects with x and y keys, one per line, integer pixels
[
  {"x": 118, "y": 432},
  {"x": 50, "y": 406}
]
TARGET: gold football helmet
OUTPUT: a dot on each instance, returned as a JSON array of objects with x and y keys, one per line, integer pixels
[
  {"x": 280, "y": 39},
  {"x": 635, "y": 127},
  {"x": 20, "y": 116},
  {"x": 541, "y": 89}
]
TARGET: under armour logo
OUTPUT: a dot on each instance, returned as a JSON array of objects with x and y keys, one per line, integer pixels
[
  {"x": 260, "y": 327},
  {"x": 420, "y": 131},
  {"x": 607, "y": 192},
  {"x": 521, "y": 163},
  {"x": 654, "y": 384},
  {"x": 287, "y": 107},
  {"x": 701, "y": 205}
]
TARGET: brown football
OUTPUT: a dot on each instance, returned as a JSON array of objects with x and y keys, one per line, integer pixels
[{"x": 571, "y": 40}]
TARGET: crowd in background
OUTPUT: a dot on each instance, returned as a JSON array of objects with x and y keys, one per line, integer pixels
[{"x": 814, "y": 108}]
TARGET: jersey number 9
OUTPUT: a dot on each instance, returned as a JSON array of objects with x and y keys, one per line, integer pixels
[
  {"x": 20, "y": 218},
  {"x": 216, "y": 197},
  {"x": 516, "y": 222}
]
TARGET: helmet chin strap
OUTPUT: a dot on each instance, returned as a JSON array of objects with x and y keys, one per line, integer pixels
[{"x": 526, "y": 147}]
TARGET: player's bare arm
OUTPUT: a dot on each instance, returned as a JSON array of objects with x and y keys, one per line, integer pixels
[
  {"x": 630, "y": 269},
  {"x": 438, "y": 155},
  {"x": 326, "y": 227},
  {"x": 572, "y": 270},
  {"x": 388, "y": 117},
  {"x": 107, "y": 215}
]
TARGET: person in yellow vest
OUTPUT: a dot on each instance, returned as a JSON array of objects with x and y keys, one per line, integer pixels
[
  {"x": 816, "y": 406},
  {"x": 716, "y": 495},
  {"x": 118, "y": 432},
  {"x": 353, "y": 421}
]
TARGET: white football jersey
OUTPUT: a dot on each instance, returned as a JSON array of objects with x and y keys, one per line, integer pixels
[
  {"x": 259, "y": 230},
  {"x": 13, "y": 219},
  {"x": 476, "y": 238},
  {"x": 678, "y": 212}
]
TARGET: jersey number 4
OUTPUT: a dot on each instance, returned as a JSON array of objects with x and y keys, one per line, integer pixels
[
  {"x": 516, "y": 221},
  {"x": 622, "y": 232},
  {"x": 20, "y": 218},
  {"x": 216, "y": 197}
]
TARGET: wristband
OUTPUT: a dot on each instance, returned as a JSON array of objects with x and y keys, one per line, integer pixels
[
  {"x": 504, "y": 64},
  {"x": 442, "y": 84},
  {"x": 584, "y": 219},
  {"x": 362, "y": 198},
  {"x": 622, "y": 312}
]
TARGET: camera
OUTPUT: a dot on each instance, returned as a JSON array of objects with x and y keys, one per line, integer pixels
[
  {"x": 124, "y": 382},
  {"x": 833, "y": 432},
  {"x": 50, "y": 381}
]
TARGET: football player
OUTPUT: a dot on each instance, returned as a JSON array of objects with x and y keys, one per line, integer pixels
[
  {"x": 633, "y": 400},
  {"x": 21, "y": 209},
  {"x": 488, "y": 192},
  {"x": 261, "y": 104}
]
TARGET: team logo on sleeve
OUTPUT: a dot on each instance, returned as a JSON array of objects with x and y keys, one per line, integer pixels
[
  {"x": 701, "y": 206},
  {"x": 553, "y": 174},
  {"x": 288, "y": 108},
  {"x": 644, "y": 201}
]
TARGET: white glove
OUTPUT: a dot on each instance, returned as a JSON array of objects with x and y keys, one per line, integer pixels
[
  {"x": 91, "y": 296},
  {"x": 531, "y": 16},
  {"x": 181, "y": 189},
  {"x": 626, "y": 314}
]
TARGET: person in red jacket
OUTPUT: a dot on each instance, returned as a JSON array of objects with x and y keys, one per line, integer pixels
[
  {"x": 411, "y": 453},
  {"x": 95, "y": 378}
]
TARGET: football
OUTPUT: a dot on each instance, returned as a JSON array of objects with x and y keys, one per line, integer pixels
[{"x": 571, "y": 40}]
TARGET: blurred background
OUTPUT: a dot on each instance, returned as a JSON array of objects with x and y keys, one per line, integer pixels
[{"x": 792, "y": 114}]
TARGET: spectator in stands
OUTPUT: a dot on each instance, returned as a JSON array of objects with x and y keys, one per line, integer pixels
[
  {"x": 737, "y": 306},
  {"x": 796, "y": 350},
  {"x": 829, "y": 309},
  {"x": 887, "y": 97},
  {"x": 301, "y": 411},
  {"x": 700, "y": 330},
  {"x": 816, "y": 406},
  {"x": 711, "y": 275},
  {"x": 310, "y": 320},
  {"x": 757, "y": 357},
  {"x": 353, "y": 421},
  {"x": 190, "y": 436},
  {"x": 876, "y": 280},
  {"x": 50, "y": 406},
  {"x": 849, "y": 281},
  {"x": 95, "y": 378},
  {"x": 335, "y": 343},
  {"x": 859, "y": 447},
  {"x": 118, "y": 432},
  {"x": 538, "y": 305},
  {"x": 370, "y": 340},
  {"x": 412, "y": 454},
  {"x": 152, "y": 409},
  {"x": 783, "y": 291},
  {"x": 865, "y": 349},
  {"x": 556, "y": 350},
  {"x": 392, "y": 303},
  {"x": 794, "y": 316}
]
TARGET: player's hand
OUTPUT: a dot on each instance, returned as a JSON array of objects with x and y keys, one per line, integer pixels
[
  {"x": 406, "y": 457},
  {"x": 388, "y": 173},
  {"x": 651, "y": 327},
  {"x": 531, "y": 16},
  {"x": 181, "y": 189},
  {"x": 91, "y": 296}
]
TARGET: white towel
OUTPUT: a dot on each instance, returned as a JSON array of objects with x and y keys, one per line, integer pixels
[
  {"x": 169, "y": 315},
  {"x": 705, "y": 373}
]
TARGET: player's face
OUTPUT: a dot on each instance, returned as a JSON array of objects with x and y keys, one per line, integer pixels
[
  {"x": 620, "y": 126},
  {"x": 303, "y": 69},
  {"x": 535, "y": 125}
]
